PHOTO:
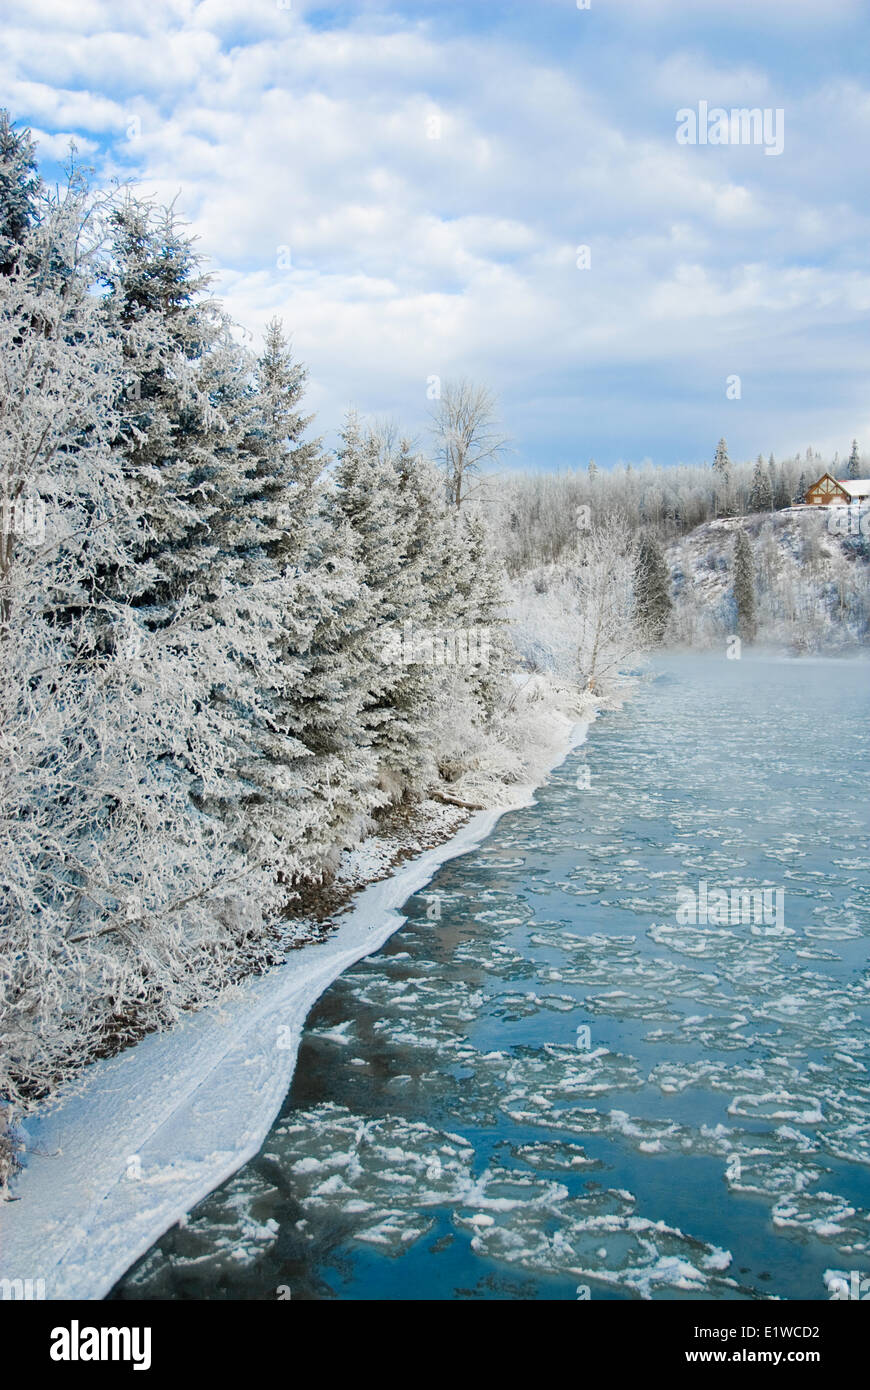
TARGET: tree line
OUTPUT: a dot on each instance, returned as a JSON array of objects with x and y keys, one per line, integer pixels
[
  {"x": 536, "y": 512},
  {"x": 200, "y": 703}
]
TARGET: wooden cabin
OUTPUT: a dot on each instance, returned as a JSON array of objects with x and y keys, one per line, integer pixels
[
  {"x": 830, "y": 491},
  {"x": 825, "y": 491}
]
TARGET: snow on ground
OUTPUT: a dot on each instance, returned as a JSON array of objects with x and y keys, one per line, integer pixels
[
  {"x": 123, "y": 1154},
  {"x": 811, "y": 575}
]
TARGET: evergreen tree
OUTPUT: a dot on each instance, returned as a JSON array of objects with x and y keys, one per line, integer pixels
[
  {"x": 407, "y": 742},
  {"x": 320, "y": 779},
  {"x": 722, "y": 470},
  {"x": 779, "y": 488},
  {"x": 744, "y": 588},
  {"x": 761, "y": 493},
  {"x": 270, "y": 599},
  {"x": 652, "y": 590},
  {"x": 366, "y": 501},
  {"x": 171, "y": 432},
  {"x": 226, "y": 484},
  {"x": 20, "y": 189},
  {"x": 854, "y": 469},
  {"x": 482, "y": 613},
  {"x": 333, "y": 776},
  {"x": 721, "y": 461},
  {"x": 288, "y": 466}
]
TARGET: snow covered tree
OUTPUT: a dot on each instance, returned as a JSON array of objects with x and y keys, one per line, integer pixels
[
  {"x": 20, "y": 187},
  {"x": 172, "y": 426},
  {"x": 482, "y": 613},
  {"x": 365, "y": 503},
  {"x": 226, "y": 484},
  {"x": 317, "y": 779},
  {"x": 761, "y": 493},
  {"x": 467, "y": 436},
  {"x": 744, "y": 588},
  {"x": 779, "y": 490},
  {"x": 723, "y": 486},
  {"x": 288, "y": 465},
  {"x": 322, "y": 707},
  {"x": 425, "y": 608},
  {"x": 652, "y": 590},
  {"x": 854, "y": 468},
  {"x": 263, "y": 596},
  {"x": 607, "y": 638}
]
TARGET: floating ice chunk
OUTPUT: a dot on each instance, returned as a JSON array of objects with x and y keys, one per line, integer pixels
[
  {"x": 778, "y": 1105},
  {"x": 827, "y": 1216}
]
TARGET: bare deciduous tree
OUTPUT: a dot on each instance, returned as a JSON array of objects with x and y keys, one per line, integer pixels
[
  {"x": 607, "y": 637},
  {"x": 467, "y": 434}
]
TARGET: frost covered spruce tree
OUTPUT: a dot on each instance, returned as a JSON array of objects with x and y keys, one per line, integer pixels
[
  {"x": 761, "y": 492},
  {"x": 272, "y": 536},
  {"x": 19, "y": 190},
  {"x": 419, "y": 686},
  {"x": 779, "y": 486},
  {"x": 854, "y": 466},
  {"x": 724, "y": 486},
  {"x": 364, "y": 504},
  {"x": 288, "y": 464},
  {"x": 652, "y": 591},
  {"x": 197, "y": 439},
  {"x": 433, "y": 601},
  {"x": 482, "y": 595},
  {"x": 744, "y": 588},
  {"x": 320, "y": 793}
]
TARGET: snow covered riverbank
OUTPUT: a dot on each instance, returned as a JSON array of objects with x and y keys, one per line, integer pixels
[{"x": 143, "y": 1136}]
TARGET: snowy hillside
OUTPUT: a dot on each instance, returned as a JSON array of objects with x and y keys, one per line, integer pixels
[{"x": 812, "y": 580}]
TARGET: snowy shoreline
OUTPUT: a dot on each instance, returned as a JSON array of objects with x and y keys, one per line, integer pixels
[{"x": 140, "y": 1138}]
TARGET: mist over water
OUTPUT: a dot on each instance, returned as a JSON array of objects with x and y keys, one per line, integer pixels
[{"x": 546, "y": 1082}]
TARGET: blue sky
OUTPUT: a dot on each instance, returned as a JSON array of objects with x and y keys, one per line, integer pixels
[{"x": 407, "y": 185}]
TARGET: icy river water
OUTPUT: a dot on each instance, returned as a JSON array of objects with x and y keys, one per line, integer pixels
[{"x": 550, "y": 1083}]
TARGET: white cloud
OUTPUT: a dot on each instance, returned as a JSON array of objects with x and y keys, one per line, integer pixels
[{"x": 413, "y": 256}]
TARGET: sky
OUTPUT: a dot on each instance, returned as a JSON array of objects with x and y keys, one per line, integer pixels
[{"x": 408, "y": 186}]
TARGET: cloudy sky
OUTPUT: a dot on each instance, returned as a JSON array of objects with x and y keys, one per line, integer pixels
[{"x": 407, "y": 184}]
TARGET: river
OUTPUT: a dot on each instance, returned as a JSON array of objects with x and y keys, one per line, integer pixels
[{"x": 552, "y": 1083}]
